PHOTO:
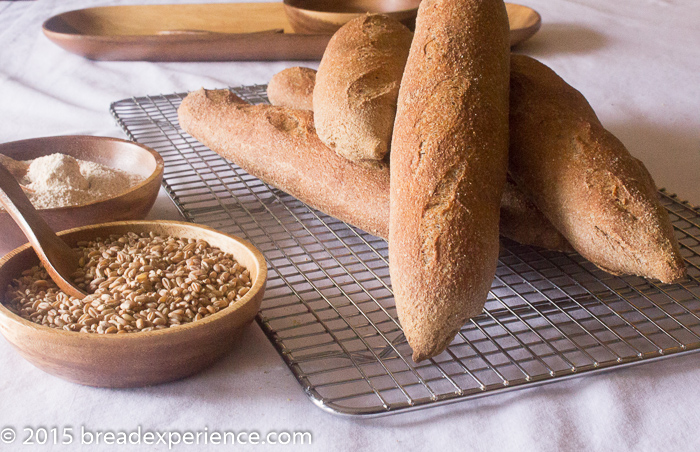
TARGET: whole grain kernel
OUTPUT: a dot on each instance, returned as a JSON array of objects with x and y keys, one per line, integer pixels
[{"x": 136, "y": 282}]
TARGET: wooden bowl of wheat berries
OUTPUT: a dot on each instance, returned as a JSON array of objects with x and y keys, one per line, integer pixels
[
  {"x": 79, "y": 180},
  {"x": 165, "y": 300}
]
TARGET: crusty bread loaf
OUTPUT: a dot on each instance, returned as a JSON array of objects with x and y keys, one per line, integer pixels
[
  {"x": 280, "y": 146},
  {"x": 251, "y": 138},
  {"x": 584, "y": 180},
  {"x": 522, "y": 221},
  {"x": 357, "y": 85},
  {"x": 449, "y": 156},
  {"x": 293, "y": 87}
]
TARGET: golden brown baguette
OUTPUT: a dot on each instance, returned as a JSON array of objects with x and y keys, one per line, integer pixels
[
  {"x": 584, "y": 180},
  {"x": 357, "y": 85},
  {"x": 293, "y": 87},
  {"x": 449, "y": 156},
  {"x": 267, "y": 151},
  {"x": 279, "y": 146}
]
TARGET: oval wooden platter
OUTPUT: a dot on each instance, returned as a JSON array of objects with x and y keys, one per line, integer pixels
[{"x": 206, "y": 32}]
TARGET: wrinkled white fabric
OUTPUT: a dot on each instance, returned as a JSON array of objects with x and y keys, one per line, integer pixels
[{"x": 637, "y": 62}]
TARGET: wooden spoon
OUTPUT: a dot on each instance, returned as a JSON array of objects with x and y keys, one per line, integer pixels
[
  {"x": 15, "y": 167},
  {"x": 58, "y": 258}
]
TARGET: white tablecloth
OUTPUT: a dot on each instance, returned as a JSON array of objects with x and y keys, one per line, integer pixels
[{"x": 637, "y": 62}]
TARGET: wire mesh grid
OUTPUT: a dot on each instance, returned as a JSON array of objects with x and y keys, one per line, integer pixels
[{"x": 329, "y": 309}]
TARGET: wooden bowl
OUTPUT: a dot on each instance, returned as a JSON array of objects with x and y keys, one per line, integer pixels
[
  {"x": 327, "y": 16},
  {"x": 524, "y": 22},
  {"x": 134, "y": 359},
  {"x": 132, "y": 204}
]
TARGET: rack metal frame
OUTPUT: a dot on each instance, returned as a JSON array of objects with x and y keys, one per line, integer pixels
[{"x": 329, "y": 309}]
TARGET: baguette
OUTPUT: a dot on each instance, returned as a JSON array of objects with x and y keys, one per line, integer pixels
[
  {"x": 357, "y": 85},
  {"x": 279, "y": 146},
  {"x": 251, "y": 137},
  {"x": 584, "y": 180},
  {"x": 293, "y": 87},
  {"x": 449, "y": 156}
]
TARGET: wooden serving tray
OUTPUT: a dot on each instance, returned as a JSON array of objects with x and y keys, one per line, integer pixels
[{"x": 190, "y": 32}]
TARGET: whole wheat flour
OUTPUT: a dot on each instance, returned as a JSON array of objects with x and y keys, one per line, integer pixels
[{"x": 59, "y": 180}]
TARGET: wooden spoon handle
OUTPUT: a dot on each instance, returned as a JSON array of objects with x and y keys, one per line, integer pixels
[{"x": 54, "y": 253}]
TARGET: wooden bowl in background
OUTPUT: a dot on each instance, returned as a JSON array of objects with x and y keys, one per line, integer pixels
[
  {"x": 327, "y": 16},
  {"x": 524, "y": 22},
  {"x": 132, "y": 204},
  {"x": 134, "y": 359}
]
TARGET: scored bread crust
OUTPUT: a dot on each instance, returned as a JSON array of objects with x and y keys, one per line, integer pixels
[
  {"x": 584, "y": 180},
  {"x": 269, "y": 152},
  {"x": 357, "y": 85},
  {"x": 293, "y": 87},
  {"x": 449, "y": 157}
]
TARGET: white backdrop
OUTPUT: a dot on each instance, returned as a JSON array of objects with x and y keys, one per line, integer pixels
[{"x": 637, "y": 62}]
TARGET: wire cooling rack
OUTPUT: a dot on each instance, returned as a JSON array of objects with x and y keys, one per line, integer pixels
[{"x": 329, "y": 309}]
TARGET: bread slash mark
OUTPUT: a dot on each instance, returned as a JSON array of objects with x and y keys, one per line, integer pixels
[
  {"x": 284, "y": 122},
  {"x": 439, "y": 212}
]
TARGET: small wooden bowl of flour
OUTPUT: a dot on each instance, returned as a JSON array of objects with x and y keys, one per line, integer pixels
[{"x": 79, "y": 180}]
